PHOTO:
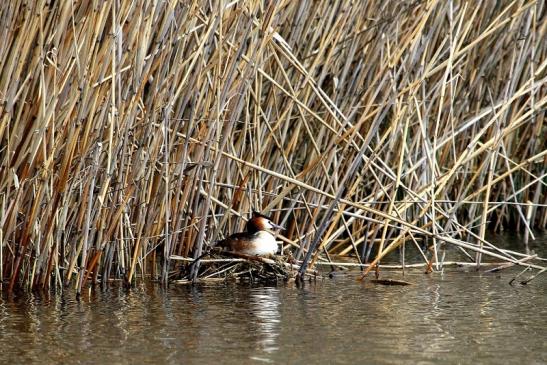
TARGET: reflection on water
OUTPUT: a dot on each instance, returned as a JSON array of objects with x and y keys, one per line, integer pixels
[
  {"x": 265, "y": 313},
  {"x": 456, "y": 317}
]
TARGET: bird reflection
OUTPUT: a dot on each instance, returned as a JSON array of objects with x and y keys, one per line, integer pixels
[{"x": 264, "y": 306}]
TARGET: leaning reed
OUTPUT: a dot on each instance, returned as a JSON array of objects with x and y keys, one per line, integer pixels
[{"x": 132, "y": 131}]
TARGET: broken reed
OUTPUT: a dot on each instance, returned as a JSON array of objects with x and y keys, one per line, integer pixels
[{"x": 133, "y": 131}]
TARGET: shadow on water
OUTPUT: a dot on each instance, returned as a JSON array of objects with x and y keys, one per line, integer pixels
[{"x": 454, "y": 317}]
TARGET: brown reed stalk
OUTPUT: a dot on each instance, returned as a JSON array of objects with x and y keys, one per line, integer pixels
[{"x": 208, "y": 110}]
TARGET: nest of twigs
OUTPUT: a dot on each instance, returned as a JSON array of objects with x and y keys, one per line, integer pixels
[{"x": 228, "y": 266}]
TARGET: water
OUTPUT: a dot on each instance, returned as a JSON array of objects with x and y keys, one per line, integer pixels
[{"x": 461, "y": 316}]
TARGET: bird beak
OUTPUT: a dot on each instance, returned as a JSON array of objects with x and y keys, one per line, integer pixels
[{"x": 278, "y": 226}]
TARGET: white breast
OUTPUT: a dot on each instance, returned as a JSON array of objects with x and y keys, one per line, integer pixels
[{"x": 263, "y": 244}]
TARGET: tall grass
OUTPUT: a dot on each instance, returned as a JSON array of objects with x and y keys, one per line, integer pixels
[{"x": 132, "y": 131}]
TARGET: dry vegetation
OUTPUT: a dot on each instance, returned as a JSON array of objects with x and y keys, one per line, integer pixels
[{"x": 134, "y": 132}]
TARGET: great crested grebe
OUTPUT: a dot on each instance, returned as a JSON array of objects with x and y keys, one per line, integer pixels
[{"x": 257, "y": 241}]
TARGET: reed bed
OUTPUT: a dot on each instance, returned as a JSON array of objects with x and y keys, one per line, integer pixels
[{"x": 134, "y": 132}]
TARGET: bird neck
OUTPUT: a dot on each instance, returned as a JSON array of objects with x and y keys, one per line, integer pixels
[{"x": 252, "y": 226}]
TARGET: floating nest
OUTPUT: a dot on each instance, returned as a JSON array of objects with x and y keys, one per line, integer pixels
[{"x": 227, "y": 266}]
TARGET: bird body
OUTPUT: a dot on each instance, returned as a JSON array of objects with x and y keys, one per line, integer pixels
[
  {"x": 260, "y": 243},
  {"x": 257, "y": 241}
]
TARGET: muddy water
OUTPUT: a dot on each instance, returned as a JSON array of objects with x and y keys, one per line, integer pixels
[{"x": 454, "y": 317}]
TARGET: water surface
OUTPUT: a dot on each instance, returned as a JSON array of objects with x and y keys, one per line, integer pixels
[{"x": 460, "y": 316}]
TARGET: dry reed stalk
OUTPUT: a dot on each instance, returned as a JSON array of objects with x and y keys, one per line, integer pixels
[{"x": 360, "y": 125}]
